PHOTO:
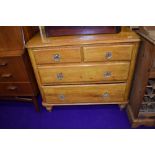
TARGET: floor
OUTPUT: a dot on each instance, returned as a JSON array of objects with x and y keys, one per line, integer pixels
[{"x": 16, "y": 115}]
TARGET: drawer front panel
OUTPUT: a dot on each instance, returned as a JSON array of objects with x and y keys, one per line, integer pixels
[
  {"x": 84, "y": 73},
  {"x": 84, "y": 93},
  {"x": 47, "y": 56},
  {"x": 107, "y": 53},
  {"x": 12, "y": 69},
  {"x": 15, "y": 89},
  {"x": 152, "y": 73}
]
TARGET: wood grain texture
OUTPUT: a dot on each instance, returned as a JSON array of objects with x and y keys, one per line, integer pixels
[
  {"x": 30, "y": 73},
  {"x": 16, "y": 74},
  {"x": 16, "y": 89},
  {"x": 76, "y": 78},
  {"x": 125, "y": 36},
  {"x": 144, "y": 70},
  {"x": 94, "y": 72},
  {"x": 152, "y": 68},
  {"x": 52, "y": 31},
  {"x": 84, "y": 93},
  {"x": 15, "y": 67},
  {"x": 11, "y": 38},
  {"x": 29, "y": 32},
  {"x": 46, "y": 104},
  {"x": 11, "y": 53},
  {"x": 32, "y": 58},
  {"x": 132, "y": 68},
  {"x": 99, "y": 53},
  {"x": 48, "y": 56},
  {"x": 141, "y": 77}
]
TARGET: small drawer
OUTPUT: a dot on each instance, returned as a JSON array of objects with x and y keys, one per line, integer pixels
[
  {"x": 107, "y": 53},
  {"x": 98, "y": 72},
  {"x": 84, "y": 93},
  {"x": 12, "y": 69},
  {"x": 57, "y": 55},
  {"x": 16, "y": 89}
]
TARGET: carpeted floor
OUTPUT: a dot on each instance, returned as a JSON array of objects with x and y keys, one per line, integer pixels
[{"x": 15, "y": 115}]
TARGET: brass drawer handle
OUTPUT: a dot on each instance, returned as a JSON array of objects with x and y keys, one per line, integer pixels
[
  {"x": 105, "y": 95},
  {"x": 108, "y": 55},
  {"x": 61, "y": 97},
  {"x": 60, "y": 76},
  {"x": 107, "y": 74},
  {"x": 6, "y": 75},
  {"x": 12, "y": 88},
  {"x": 2, "y": 64},
  {"x": 56, "y": 57}
]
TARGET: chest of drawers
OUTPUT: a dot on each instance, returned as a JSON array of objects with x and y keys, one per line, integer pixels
[
  {"x": 17, "y": 81},
  {"x": 84, "y": 69}
]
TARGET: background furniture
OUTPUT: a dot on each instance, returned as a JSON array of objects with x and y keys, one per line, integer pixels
[
  {"x": 84, "y": 69},
  {"x": 55, "y": 31},
  {"x": 141, "y": 110},
  {"x": 17, "y": 79}
]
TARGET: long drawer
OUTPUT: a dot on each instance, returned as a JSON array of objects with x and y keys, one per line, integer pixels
[
  {"x": 98, "y": 72},
  {"x": 12, "y": 69},
  {"x": 84, "y": 93},
  {"x": 107, "y": 52},
  {"x": 16, "y": 89},
  {"x": 57, "y": 55}
]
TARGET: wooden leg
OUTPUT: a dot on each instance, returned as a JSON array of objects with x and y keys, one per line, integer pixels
[
  {"x": 49, "y": 109},
  {"x": 35, "y": 102},
  {"x": 122, "y": 106}
]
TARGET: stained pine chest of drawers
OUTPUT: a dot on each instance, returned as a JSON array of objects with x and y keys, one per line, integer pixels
[{"x": 84, "y": 69}]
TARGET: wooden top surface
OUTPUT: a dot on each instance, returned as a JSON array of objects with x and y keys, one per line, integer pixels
[
  {"x": 150, "y": 36},
  {"x": 126, "y": 35},
  {"x": 11, "y": 53}
]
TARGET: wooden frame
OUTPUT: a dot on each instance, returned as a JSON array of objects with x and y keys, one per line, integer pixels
[
  {"x": 125, "y": 37},
  {"x": 143, "y": 72}
]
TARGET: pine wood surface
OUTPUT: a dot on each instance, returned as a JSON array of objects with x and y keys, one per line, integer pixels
[{"x": 112, "y": 53}]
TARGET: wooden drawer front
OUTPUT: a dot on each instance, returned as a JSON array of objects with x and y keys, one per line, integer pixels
[
  {"x": 15, "y": 89},
  {"x": 12, "y": 69},
  {"x": 105, "y": 53},
  {"x": 84, "y": 93},
  {"x": 152, "y": 73},
  {"x": 47, "y": 56},
  {"x": 84, "y": 73}
]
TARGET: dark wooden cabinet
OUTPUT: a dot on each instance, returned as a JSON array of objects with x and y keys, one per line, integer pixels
[
  {"x": 141, "y": 109},
  {"x": 17, "y": 80}
]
